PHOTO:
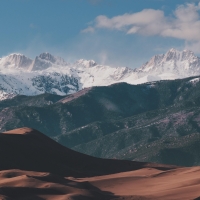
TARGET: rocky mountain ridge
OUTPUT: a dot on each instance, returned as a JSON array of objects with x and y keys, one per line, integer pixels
[
  {"x": 20, "y": 75},
  {"x": 181, "y": 63},
  {"x": 151, "y": 122}
]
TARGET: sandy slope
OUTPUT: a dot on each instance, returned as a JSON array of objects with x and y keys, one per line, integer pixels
[
  {"x": 146, "y": 183},
  {"x": 181, "y": 183},
  {"x": 25, "y": 152},
  {"x": 26, "y": 185}
]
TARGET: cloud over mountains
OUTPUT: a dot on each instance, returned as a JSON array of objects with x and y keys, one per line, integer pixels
[{"x": 183, "y": 24}]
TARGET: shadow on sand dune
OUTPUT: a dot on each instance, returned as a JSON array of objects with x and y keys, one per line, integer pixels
[{"x": 34, "y": 167}]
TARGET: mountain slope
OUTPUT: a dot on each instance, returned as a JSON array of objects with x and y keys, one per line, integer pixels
[
  {"x": 117, "y": 121},
  {"x": 28, "y": 149},
  {"x": 100, "y": 103},
  {"x": 179, "y": 63},
  {"x": 90, "y": 105},
  {"x": 51, "y": 74},
  {"x": 15, "y": 60},
  {"x": 158, "y": 138},
  {"x": 38, "y": 100}
]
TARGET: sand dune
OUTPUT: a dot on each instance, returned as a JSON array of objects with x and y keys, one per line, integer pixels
[
  {"x": 28, "y": 149},
  {"x": 25, "y": 185},
  {"x": 34, "y": 167},
  {"x": 181, "y": 183}
]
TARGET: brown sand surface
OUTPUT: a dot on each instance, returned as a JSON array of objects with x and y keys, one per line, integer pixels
[
  {"x": 176, "y": 184},
  {"x": 34, "y": 167},
  {"x": 19, "y": 131},
  {"x": 142, "y": 184},
  {"x": 27, "y": 185}
]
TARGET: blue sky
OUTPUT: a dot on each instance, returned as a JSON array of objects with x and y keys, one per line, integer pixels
[{"x": 113, "y": 32}]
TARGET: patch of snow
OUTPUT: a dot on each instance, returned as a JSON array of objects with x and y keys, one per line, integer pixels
[
  {"x": 194, "y": 81},
  {"x": 48, "y": 73}
]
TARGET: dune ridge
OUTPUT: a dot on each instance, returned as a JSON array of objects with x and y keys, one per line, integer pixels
[
  {"x": 22, "y": 131},
  {"x": 28, "y": 149},
  {"x": 34, "y": 167}
]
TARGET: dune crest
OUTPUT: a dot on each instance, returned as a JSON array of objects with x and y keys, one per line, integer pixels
[
  {"x": 29, "y": 149},
  {"x": 21, "y": 131},
  {"x": 34, "y": 166}
]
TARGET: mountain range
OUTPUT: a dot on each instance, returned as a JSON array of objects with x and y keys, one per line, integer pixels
[
  {"x": 144, "y": 122},
  {"x": 148, "y": 122},
  {"x": 20, "y": 75},
  {"x": 94, "y": 116}
]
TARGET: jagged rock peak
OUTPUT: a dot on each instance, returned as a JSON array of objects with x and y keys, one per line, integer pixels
[
  {"x": 16, "y": 60},
  {"x": 48, "y": 57},
  {"x": 53, "y": 59},
  {"x": 16, "y": 54},
  {"x": 173, "y": 54},
  {"x": 46, "y": 60},
  {"x": 86, "y": 63},
  {"x": 181, "y": 63},
  {"x": 173, "y": 50}
]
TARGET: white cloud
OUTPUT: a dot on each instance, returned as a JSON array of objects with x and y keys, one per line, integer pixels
[
  {"x": 88, "y": 30},
  {"x": 186, "y": 23},
  {"x": 127, "y": 21},
  {"x": 183, "y": 24}
]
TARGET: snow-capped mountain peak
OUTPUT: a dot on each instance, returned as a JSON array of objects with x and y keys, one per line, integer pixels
[
  {"x": 47, "y": 56},
  {"x": 178, "y": 63},
  {"x": 15, "y": 60},
  {"x": 53, "y": 59},
  {"x": 48, "y": 73},
  {"x": 172, "y": 55},
  {"x": 86, "y": 63},
  {"x": 188, "y": 55},
  {"x": 46, "y": 60}
]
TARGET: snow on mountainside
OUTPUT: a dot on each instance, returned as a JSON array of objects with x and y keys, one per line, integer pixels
[
  {"x": 174, "y": 62},
  {"x": 47, "y": 73},
  {"x": 46, "y": 60},
  {"x": 15, "y": 61}
]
